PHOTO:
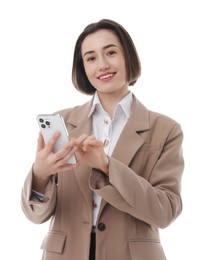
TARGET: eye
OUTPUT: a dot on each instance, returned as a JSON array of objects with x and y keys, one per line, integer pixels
[
  {"x": 111, "y": 53},
  {"x": 90, "y": 59}
]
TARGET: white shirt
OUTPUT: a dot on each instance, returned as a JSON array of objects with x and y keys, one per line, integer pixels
[{"x": 108, "y": 131}]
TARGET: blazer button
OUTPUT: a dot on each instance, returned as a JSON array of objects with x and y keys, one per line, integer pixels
[{"x": 101, "y": 226}]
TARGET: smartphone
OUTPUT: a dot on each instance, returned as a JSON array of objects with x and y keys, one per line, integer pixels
[{"x": 51, "y": 123}]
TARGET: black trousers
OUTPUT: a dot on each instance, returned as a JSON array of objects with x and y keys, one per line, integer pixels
[{"x": 92, "y": 246}]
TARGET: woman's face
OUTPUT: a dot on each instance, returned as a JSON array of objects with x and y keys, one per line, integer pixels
[{"x": 104, "y": 62}]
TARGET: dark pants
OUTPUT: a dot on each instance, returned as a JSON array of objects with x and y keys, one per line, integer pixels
[{"x": 92, "y": 246}]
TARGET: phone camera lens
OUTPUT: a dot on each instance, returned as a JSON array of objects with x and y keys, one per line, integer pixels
[
  {"x": 43, "y": 125},
  {"x": 41, "y": 120},
  {"x": 47, "y": 123}
]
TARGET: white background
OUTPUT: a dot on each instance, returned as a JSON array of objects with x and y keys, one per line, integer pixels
[{"x": 36, "y": 48}]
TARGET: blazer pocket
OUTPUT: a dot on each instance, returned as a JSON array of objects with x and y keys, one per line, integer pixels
[
  {"x": 150, "y": 147},
  {"x": 54, "y": 242},
  {"x": 145, "y": 159},
  {"x": 146, "y": 250}
]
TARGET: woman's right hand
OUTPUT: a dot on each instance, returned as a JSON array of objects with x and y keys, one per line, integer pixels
[{"x": 48, "y": 163}]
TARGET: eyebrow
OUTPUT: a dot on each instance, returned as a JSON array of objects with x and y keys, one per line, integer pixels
[{"x": 104, "y": 48}]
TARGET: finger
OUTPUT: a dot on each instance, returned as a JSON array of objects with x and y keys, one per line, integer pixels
[
  {"x": 80, "y": 139},
  {"x": 67, "y": 157},
  {"x": 50, "y": 144},
  {"x": 40, "y": 142},
  {"x": 91, "y": 143},
  {"x": 95, "y": 143},
  {"x": 87, "y": 141},
  {"x": 66, "y": 151},
  {"x": 67, "y": 167}
]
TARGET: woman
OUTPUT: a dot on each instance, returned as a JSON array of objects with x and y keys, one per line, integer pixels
[{"x": 126, "y": 183}]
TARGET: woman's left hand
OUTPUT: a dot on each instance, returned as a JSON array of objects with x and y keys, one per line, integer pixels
[{"x": 91, "y": 152}]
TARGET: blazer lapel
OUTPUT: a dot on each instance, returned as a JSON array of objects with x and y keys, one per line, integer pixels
[{"x": 130, "y": 141}]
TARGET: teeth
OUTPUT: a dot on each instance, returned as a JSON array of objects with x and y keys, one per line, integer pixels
[{"x": 106, "y": 76}]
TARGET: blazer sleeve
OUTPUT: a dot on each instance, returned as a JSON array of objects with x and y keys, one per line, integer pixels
[
  {"x": 156, "y": 199},
  {"x": 35, "y": 211}
]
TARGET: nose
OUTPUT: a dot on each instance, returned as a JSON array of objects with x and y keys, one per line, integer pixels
[{"x": 103, "y": 64}]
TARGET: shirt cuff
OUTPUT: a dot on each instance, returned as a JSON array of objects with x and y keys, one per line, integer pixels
[{"x": 37, "y": 195}]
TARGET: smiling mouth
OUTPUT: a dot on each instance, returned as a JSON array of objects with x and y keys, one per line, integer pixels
[{"x": 106, "y": 76}]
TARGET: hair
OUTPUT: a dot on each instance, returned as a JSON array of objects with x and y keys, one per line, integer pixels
[{"x": 133, "y": 65}]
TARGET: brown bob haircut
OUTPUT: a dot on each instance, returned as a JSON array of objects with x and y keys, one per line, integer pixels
[{"x": 133, "y": 65}]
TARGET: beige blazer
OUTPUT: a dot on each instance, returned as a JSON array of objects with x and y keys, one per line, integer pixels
[{"x": 142, "y": 195}]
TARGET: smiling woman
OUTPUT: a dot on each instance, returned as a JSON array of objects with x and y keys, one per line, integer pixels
[
  {"x": 98, "y": 45},
  {"x": 127, "y": 180}
]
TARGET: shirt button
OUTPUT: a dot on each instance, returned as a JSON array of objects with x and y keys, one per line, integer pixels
[
  {"x": 106, "y": 142},
  {"x": 106, "y": 121},
  {"x": 94, "y": 204},
  {"x": 101, "y": 226}
]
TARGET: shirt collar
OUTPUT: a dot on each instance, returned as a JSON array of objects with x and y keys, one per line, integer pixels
[
  {"x": 96, "y": 102},
  {"x": 125, "y": 104}
]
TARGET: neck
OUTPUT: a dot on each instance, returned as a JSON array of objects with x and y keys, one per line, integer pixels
[{"x": 109, "y": 101}]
